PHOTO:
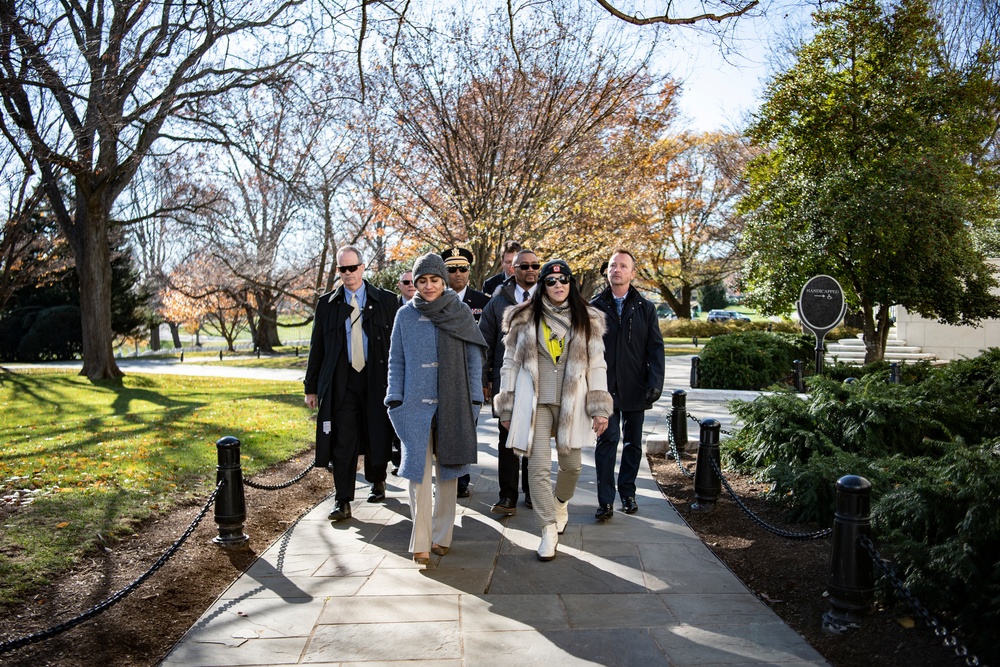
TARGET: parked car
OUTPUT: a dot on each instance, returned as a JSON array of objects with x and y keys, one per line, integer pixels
[
  {"x": 664, "y": 312},
  {"x": 726, "y": 316}
]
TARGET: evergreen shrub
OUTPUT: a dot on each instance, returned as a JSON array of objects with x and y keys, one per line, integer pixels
[
  {"x": 910, "y": 373},
  {"x": 931, "y": 450}
]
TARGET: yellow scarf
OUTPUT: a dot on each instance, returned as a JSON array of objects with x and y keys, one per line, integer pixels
[{"x": 554, "y": 344}]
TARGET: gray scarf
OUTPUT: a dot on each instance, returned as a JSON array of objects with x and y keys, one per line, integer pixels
[
  {"x": 456, "y": 423},
  {"x": 557, "y": 317}
]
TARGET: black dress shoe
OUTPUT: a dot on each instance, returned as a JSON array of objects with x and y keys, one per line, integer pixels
[
  {"x": 505, "y": 506},
  {"x": 341, "y": 512},
  {"x": 629, "y": 506},
  {"x": 605, "y": 512},
  {"x": 463, "y": 492},
  {"x": 527, "y": 502},
  {"x": 378, "y": 493}
]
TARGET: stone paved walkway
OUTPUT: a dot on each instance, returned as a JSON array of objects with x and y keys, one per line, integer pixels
[{"x": 639, "y": 590}]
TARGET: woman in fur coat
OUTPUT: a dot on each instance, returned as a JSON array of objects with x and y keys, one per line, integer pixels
[
  {"x": 434, "y": 397},
  {"x": 553, "y": 382}
]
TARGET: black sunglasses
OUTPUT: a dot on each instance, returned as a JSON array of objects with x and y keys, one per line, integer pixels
[
  {"x": 526, "y": 266},
  {"x": 550, "y": 281},
  {"x": 406, "y": 282},
  {"x": 453, "y": 269},
  {"x": 348, "y": 269}
]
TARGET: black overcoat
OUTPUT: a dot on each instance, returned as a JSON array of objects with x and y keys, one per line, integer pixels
[
  {"x": 633, "y": 348},
  {"x": 326, "y": 371}
]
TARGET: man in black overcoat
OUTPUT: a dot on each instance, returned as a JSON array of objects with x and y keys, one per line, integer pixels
[
  {"x": 347, "y": 377},
  {"x": 633, "y": 350}
]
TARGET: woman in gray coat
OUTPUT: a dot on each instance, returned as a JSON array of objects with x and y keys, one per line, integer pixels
[{"x": 434, "y": 396}]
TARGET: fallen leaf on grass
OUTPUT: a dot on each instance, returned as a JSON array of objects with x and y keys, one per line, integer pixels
[{"x": 62, "y": 524}]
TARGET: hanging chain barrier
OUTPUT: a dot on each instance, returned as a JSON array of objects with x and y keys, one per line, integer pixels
[
  {"x": 277, "y": 487},
  {"x": 676, "y": 454},
  {"x": 8, "y": 646},
  {"x": 698, "y": 422},
  {"x": 780, "y": 532},
  {"x": 946, "y": 636}
]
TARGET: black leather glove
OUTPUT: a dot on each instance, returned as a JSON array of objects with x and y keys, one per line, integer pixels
[
  {"x": 395, "y": 404},
  {"x": 652, "y": 395}
]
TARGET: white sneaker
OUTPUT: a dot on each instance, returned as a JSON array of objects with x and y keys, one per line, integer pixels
[
  {"x": 550, "y": 538},
  {"x": 562, "y": 516}
]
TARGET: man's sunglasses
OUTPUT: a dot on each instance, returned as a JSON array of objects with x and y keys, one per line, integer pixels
[
  {"x": 526, "y": 266},
  {"x": 406, "y": 282},
  {"x": 550, "y": 281},
  {"x": 463, "y": 269},
  {"x": 348, "y": 269}
]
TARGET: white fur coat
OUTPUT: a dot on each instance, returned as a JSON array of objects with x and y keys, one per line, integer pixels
[{"x": 585, "y": 382}]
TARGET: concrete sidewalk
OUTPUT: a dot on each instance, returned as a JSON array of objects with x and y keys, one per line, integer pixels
[{"x": 640, "y": 589}]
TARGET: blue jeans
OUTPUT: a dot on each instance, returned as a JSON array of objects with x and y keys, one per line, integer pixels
[{"x": 607, "y": 452}]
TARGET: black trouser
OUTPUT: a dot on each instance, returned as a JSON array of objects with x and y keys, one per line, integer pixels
[
  {"x": 508, "y": 468},
  {"x": 352, "y": 438}
]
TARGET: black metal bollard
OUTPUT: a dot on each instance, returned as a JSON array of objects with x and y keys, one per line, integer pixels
[
  {"x": 695, "y": 372},
  {"x": 258, "y": 353},
  {"x": 182, "y": 356},
  {"x": 296, "y": 350},
  {"x": 678, "y": 419},
  {"x": 230, "y": 504},
  {"x": 798, "y": 374},
  {"x": 220, "y": 355},
  {"x": 852, "y": 584},
  {"x": 707, "y": 485},
  {"x": 894, "y": 374},
  {"x": 694, "y": 339}
]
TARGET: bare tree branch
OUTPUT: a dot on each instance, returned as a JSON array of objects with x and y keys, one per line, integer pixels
[{"x": 682, "y": 20}]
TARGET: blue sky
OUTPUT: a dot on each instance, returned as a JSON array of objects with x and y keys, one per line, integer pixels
[{"x": 720, "y": 89}]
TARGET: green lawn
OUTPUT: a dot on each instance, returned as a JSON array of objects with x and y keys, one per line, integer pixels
[{"x": 98, "y": 459}]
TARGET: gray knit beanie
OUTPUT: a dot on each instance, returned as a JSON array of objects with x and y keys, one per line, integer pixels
[{"x": 429, "y": 263}]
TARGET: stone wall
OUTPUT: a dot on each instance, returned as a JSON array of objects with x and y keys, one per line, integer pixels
[{"x": 944, "y": 340}]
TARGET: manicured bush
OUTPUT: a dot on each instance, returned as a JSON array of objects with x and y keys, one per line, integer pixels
[
  {"x": 751, "y": 359},
  {"x": 704, "y": 329},
  {"x": 13, "y": 326},
  {"x": 55, "y": 334},
  {"x": 841, "y": 332}
]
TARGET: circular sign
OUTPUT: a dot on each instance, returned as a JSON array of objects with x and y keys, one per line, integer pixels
[{"x": 821, "y": 303}]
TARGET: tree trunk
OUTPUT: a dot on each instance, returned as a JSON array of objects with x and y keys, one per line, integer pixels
[
  {"x": 267, "y": 334},
  {"x": 874, "y": 345},
  {"x": 251, "y": 323},
  {"x": 175, "y": 334},
  {"x": 266, "y": 337},
  {"x": 89, "y": 240},
  {"x": 154, "y": 336},
  {"x": 681, "y": 306}
]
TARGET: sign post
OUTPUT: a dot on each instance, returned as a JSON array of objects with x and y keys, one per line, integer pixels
[{"x": 821, "y": 307}]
